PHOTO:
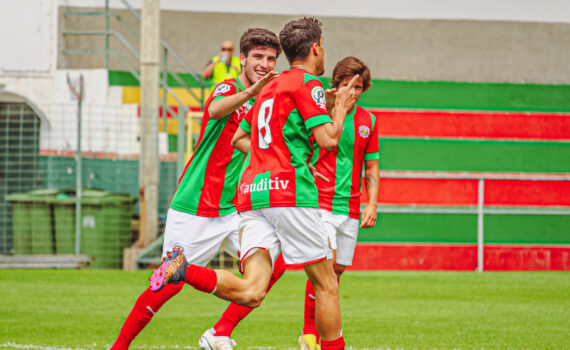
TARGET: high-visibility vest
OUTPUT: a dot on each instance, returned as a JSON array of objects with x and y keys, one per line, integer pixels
[{"x": 221, "y": 71}]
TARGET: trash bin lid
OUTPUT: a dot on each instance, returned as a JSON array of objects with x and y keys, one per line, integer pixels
[
  {"x": 36, "y": 196},
  {"x": 93, "y": 196}
]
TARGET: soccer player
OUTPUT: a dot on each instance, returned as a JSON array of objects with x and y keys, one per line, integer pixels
[
  {"x": 339, "y": 194},
  {"x": 202, "y": 217},
  {"x": 277, "y": 198}
]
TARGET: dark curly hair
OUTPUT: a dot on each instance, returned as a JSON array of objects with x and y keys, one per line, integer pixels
[
  {"x": 298, "y": 36},
  {"x": 258, "y": 37}
]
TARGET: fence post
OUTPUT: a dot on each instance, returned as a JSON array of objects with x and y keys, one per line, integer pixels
[
  {"x": 164, "y": 92},
  {"x": 181, "y": 146},
  {"x": 480, "y": 223},
  {"x": 77, "y": 93}
]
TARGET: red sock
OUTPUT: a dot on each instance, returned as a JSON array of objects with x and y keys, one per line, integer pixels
[
  {"x": 235, "y": 313},
  {"x": 337, "y": 344},
  {"x": 145, "y": 307},
  {"x": 309, "y": 326},
  {"x": 202, "y": 278}
]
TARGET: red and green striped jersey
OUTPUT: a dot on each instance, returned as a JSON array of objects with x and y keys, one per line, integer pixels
[
  {"x": 207, "y": 187},
  {"x": 343, "y": 166},
  {"x": 279, "y": 123}
]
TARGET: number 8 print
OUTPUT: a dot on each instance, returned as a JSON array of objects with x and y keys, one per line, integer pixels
[{"x": 263, "y": 119}]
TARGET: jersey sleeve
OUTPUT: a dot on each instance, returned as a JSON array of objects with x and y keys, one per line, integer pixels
[
  {"x": 372, "y": 150},
  {"x": 223, "y": 89},
  {"x": 311, "y": 104},
  {"x": 245, "y": 123}
]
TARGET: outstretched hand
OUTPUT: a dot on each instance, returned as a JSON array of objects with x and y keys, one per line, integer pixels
[{"x": 256, "y": 88}]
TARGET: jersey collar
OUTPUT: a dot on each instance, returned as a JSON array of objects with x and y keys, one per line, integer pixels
[{"x": 239, "y": 84}]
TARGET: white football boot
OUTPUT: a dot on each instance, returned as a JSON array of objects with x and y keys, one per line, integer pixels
[{"x": 208, "y": 341}]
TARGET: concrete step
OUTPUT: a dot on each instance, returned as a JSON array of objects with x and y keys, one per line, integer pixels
[{"x": 43, "y": 261}]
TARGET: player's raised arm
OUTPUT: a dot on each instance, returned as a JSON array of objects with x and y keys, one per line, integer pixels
[
  {"x": 225, "y": 106},
  {"x": 327, "y": 135}
]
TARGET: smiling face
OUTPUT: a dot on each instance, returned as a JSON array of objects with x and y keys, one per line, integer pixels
[{"x": 260, "y": 60}]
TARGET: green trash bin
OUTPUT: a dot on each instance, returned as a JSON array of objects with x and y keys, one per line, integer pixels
[
  {"x": 32, "y": 223},
  {"x": 105, "y": 225}
]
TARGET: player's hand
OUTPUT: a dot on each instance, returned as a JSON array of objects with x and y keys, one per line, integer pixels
[
  {"x": 256, "y": 88},
  {"x": 369, "y": 215},
  {"x": 346, "y": 95},
  {"x": 315, "y": 174},
  {"x": 330, "y": 97}
]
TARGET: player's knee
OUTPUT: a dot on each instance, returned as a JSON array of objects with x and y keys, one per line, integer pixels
[
  {"x": 253, "y": 298},
  {"x": 328, "y": 285}
]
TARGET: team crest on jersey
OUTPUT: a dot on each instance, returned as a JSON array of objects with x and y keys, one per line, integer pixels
[
  {"x": 221, "y": 89},
  {"x": 364, "y": 131},
  {"x": 318, "y": 95}
]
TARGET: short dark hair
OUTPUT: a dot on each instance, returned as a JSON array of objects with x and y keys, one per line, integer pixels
[
  {"x": 349, "y": 67},
  {"x": 298, "y": 36},
  {"x": 258, "y": 37}
]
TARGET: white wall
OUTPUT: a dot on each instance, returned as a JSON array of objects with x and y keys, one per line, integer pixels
[
  {"x": 107, "y": 124},
  {"x": 500, "y": 10},
  {"x": 28, "y": 35}
]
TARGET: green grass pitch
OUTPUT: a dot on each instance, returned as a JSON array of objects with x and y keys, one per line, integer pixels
[{"x": 84, "y": 309}]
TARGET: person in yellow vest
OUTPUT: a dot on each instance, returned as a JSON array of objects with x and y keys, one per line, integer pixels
[{"x": 223, "y": 66}]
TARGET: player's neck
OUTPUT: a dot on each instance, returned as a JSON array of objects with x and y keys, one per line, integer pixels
[
  {"x": 243, "y": 80},
  {"x": 304, "y": 65}
]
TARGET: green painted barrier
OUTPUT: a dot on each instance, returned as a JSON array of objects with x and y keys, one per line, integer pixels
[
  {"x": 462, "y": 228},
  {"x": 471, "y": 155}
]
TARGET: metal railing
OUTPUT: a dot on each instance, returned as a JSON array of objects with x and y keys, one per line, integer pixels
[
  {"x": 480, "y": 209},
  {"x": 167, "y": 51}
]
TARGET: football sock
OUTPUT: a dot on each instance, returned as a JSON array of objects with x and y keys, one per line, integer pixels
[
  {"x": 309, "y": 325},
  {"x": 337, "y": 344},
  {"x": 147, "y": 304},
  {"x": 202, "y": 278},
  {"x": 235, "y": 313}
]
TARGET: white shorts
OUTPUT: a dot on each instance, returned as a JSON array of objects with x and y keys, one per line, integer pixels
[
  {"x": 201, "y": 237},
  {"x": 295, "y": 231},
  {"x": 342, "y": 231}
]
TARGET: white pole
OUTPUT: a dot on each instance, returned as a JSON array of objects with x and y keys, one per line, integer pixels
[
  {"x": 149, "y": 161},
  {"x": 480, "y": 228}
]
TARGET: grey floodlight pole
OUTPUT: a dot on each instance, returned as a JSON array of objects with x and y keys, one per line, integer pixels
[
  {"x": 149, "y": 162},
  {"x": 78, "y": 95}
]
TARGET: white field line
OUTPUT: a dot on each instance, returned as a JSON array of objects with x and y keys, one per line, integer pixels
[{"x": 12, "y": 345}]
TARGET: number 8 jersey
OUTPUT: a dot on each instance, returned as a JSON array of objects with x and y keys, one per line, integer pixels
[{"x": 279, "y": 124}]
